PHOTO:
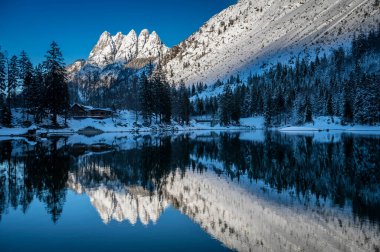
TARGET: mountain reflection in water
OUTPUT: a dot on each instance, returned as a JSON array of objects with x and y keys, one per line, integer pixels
[{"x": 256, "y": 191}]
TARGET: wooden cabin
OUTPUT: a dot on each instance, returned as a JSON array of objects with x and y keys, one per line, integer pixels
[
  {"x": 78, "y": 111},
  {"x": 100, "y": 113},
  {"x": 212, "y": 121}
]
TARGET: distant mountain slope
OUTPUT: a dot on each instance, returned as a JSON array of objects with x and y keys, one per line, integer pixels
[{"x": 252, "y": 34}]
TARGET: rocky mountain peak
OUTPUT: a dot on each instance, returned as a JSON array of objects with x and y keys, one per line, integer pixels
[
  {"x": 122, "y": 48},
  {"x": 143, "y": 38}
]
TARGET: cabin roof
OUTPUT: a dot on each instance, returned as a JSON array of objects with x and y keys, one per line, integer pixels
[{"x": 90, "y": 108}]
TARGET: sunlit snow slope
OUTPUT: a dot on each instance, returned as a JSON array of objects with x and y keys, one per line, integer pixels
[{"x": 256, "y": 33}]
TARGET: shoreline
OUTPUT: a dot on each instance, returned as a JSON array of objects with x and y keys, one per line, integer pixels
[{"x": 373, "y": 130}]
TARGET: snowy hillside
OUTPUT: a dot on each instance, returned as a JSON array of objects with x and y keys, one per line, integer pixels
[
  {"x": 245, "y": 37},
  {"x": 252, "y": 34}
]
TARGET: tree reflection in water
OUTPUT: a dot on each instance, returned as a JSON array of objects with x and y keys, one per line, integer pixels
[{"x": 213, "y": 179}]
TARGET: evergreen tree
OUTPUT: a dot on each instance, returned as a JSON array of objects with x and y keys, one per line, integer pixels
[
  {"x": 308, "y": 111},
  {"x": 174, "y": 94},
  {"x": 338, "y": 58},
  {"x": 279, "y": 106},
  {"x": 268, "y": 112},
  {"x": 347, "y": 108},
  {"x": 134, "y": 99},
  {"x": 2, "y": 78},
  {"x": 146, "y": 98},
  {"x": 165, "y": 103},
  {"x": 27, "y": 92},
  {"x": 236, "y": 106},
  {"x": 25, "y": 66},
  {"x": 226, "y": 103},
  {"x": 347, "y": 111},
  {"x": 367, "y": 104},
  {"x": 199, "y": 106},
  {"x": 13, "y": 74},
  {"x": 193, "y": 90},
  {"x": 157, "y": 93},
  {"x": 57, "y": 95},
  {"x": 359, "y": 105},
  {"x": 329, "y": 106},
  {"x": 36, "y": 101},
  {"x": 26, "y": 76},
  {"x": 161, "y": 95},
  {"x": 184, "y": 105},
  {"x": 247, "y": 104},
  {"x": 6, "y": 116}
]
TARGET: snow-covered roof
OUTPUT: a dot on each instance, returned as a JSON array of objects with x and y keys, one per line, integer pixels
[{"x": 89, "y": 108}]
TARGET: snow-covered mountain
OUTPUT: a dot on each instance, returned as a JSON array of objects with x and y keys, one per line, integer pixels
[
  {"x": 255, "y": 33},
  {"x": 112, "y": 54},
  {"x": 125, "y": 48},
  {"x": 74, "y": 68},
  {"x": 245, "y": 37}
]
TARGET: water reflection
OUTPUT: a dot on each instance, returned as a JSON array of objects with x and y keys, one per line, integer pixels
[
  {"x": 39, "y": 171},
  {"x": 251, "y": 191}
]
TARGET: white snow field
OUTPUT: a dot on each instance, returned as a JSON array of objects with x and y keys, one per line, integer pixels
[{"x": 125, "y": 122}]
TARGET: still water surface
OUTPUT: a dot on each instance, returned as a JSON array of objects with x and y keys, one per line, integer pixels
[{"x": 205, "y": 191}]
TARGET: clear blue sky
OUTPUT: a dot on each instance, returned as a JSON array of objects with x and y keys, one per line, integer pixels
[{"x": 76, "y": 25}]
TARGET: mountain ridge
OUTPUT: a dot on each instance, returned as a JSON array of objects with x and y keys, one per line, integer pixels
[
  {"x": 247, "y": 36},
  {"x": 122, "y": 48},
  {"x": 251, "y": 35},
  {"x": 110, "y": 56}
]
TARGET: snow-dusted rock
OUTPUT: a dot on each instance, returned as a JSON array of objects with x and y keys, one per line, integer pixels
[
  {"x": 124, "y": 48},
  {"x": 104, "y": 51},
  {"x": 111, "y": 54}
]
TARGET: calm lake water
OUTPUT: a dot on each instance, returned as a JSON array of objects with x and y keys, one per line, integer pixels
[{"x": 204, "y": 191}]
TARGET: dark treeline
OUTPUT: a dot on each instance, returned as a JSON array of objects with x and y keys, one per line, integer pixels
[
  {"x": 344, "y": 172},
  {"x": 40, "y": 91},
  {"x": 344, "y": 84},
  {"x": 44, "y": 174},
  {"x": 147, "y": 94}
]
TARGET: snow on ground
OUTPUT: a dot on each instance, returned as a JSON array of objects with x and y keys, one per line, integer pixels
[
  {"x": 256, "y": 122},
  {"x": 125, "y": 122},
  {"x": 327, "y": 123},
  {"x": 213, "y": 91}
]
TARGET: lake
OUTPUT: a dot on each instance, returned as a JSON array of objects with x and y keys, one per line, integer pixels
[{"x": 199, "y": 191}]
